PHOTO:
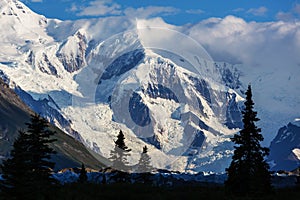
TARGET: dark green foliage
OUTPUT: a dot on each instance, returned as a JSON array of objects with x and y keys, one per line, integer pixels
[
  {"x": 27, "y": 173},
  {"x": 248, "y": 172},
  {"x": 16, "y": 170},
  {"x": 40, "y": 138},
  {"x": 83, "y": 176},
  {"x": 120, "y": 153},
  {"x": 120, "y": 143},
  {"x": 144, "y": 164}
]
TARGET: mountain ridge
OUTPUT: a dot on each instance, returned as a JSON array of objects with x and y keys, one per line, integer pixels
[
  {"x": 13, "y": 115},
  {"x": 91, "y": 85}
]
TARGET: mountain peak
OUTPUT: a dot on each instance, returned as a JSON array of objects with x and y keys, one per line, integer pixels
[
  {"x": 20, "y": 27},
  {"x": 13, "y": 7},
  {"x": 13, "y": 10}
]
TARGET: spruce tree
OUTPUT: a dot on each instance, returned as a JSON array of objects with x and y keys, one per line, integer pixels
[
  {"x": 16, "y": 170},
  {"x": 40, "y": 138},
  {"x": 248, "y": 172},
  {"x": 28, "y": 171},
  {"x": 144, "y": 164},
  {"x": 120, "y": 153},
  {"x": 83, "y": 176}
]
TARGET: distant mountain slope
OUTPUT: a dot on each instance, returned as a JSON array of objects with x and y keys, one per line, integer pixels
[
  {"x": 285, "y": 148},
  {"x": 14, "y": 113},
  {"x": 93, "y": 77},
  {"x": 91, "y": 86}
]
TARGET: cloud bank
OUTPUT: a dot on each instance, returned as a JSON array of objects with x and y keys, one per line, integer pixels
[
  {"x": 267, "y": 54},
  {"x": 108, "y": 7},
  {"x": 149, "y": 11},
  {"x": 100, "y": 8},
  {"x": 290, "y": 15},
  {"x": 258, "y": 11}
]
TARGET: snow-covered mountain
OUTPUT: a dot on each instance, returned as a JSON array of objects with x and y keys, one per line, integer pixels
[
  {"x": 285, "y": 148},
  {"x": 94, "y": 77}
]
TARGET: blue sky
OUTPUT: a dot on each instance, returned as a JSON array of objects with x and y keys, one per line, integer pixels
[{"x": 176, "y": 12}]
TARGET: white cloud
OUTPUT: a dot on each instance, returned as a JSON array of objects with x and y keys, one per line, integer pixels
[
  {"x": 154, "y": 22},
  {"x": 108, "y": 7},
  {"x": 267, "y": 53},
  {"x": 238, "y": 10},
  {"x": 284, "y": 16},
  {"x": 100, "y": 8},
  {"x": 73, "y": 8},
  {"x": 297, "y": 9},
  {"x": 232, "y": 35},
  {"x": 290, "y": 15},
  {"x": 150, "y": 11},
  {"x": 195, "y": 11},
  {"x": 258, "y": 11}
]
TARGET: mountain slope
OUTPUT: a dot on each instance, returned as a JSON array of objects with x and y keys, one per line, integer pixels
[
  {"x": 14, "y": 113},
  {"x": 179, "y": 102},
  {"x": 285, "y": 148},
  {"x": 171, "y": 99}
]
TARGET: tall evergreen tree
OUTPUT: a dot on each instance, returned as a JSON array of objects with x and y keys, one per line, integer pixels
[
  {"x": 120, "y": 153},
  {"x": 16, "y": 170},
  {"x": 144, "y": 164},
  {"x": 248, "y": 172},
  {"x": 28, "y": 171},
  {"x": 83, "y": 176},
  {"x": 40, "y": 138}
]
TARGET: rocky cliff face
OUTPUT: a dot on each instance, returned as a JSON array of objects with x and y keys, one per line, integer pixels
[
  {"x": 72, "y": 52},
  {"x": 91, "y": 89},
  {"x": 183, "y": 106},
  {"x": 285, "y": 147}
]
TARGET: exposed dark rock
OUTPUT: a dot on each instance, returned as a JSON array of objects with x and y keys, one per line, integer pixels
[
  {"x": 233, "y": 113},
  {"x": 230, "y": 75},
  {"x": 198, "y": 139},
  {"x": 155, "y": 91},
  {"x": 287, "y": 139},
  {"x": 139, "y": 112},
  {"x": 122, "y": 64},
  {"x": 74, "y": 62},
  {"x": 153, "y": 140},
  {"x": 202, "y": 87}
]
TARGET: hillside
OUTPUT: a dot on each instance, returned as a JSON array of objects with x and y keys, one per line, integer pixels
[
  {"x": 13, "y": 115},
  {"x": 93, "y": 77}
]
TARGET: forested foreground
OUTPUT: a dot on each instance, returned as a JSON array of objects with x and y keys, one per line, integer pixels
[
  {"x": 28, "y": 172},
  {"x": 142, "y": 191}
]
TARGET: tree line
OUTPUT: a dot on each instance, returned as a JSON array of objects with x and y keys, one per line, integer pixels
[{"x": 27, "y": 172}]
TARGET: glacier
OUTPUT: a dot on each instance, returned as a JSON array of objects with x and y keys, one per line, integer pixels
[{"x": 93, "y": 77}]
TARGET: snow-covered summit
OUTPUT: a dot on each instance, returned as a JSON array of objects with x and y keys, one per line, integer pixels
[
  {"x": 92, "y": 88},
  {"x": 94, "y": 77},
  {"x": 18, "y": 20},
  {"x": 296, "y": 122}
]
